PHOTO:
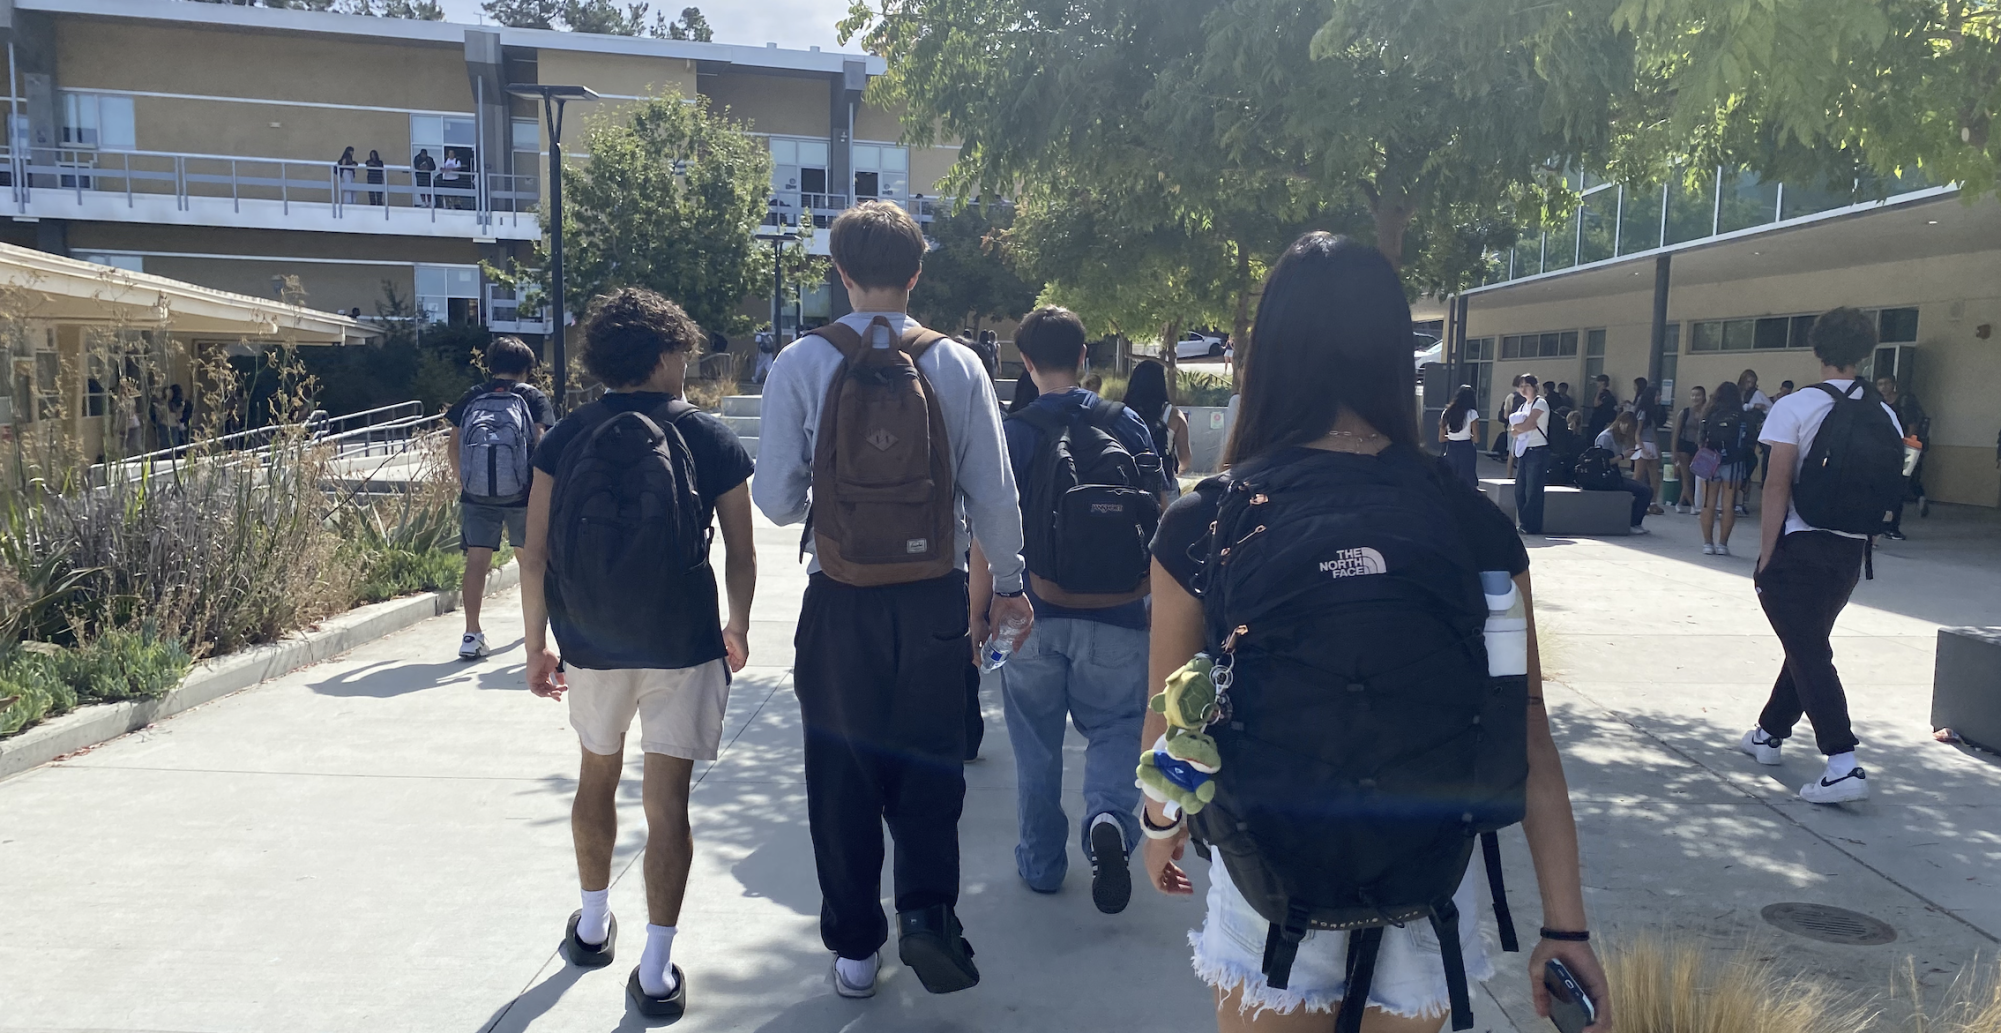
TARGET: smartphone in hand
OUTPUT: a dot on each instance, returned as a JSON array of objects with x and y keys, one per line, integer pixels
[{"x": 1569, "y": 1007}]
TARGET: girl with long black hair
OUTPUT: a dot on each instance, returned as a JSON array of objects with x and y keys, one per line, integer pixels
[
  {"x": 1331, "y": 394},
  {"x": 1146, "y": 394},
  {"x": 1459, "y": 429}
]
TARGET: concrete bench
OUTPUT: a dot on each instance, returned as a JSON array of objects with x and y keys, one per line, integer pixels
[
  {"x": 1570, "y": 512},
  {"x": 1966, "y": 685}
]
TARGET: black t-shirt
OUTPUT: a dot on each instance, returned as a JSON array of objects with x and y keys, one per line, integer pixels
[
  {"x": 1179, "y": 547},
  {"x": 539, "y": 411},
  {"x": 720, "y": 460},
  {"x": 721, "y": 464}
]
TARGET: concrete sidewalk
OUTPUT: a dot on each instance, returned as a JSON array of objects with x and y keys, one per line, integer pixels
[{"x": 381, "y": 842}]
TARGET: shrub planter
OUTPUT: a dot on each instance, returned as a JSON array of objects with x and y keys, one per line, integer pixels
[{"x": 218, "y": 677}]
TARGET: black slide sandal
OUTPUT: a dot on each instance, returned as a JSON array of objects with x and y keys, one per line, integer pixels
[
  {"x": 585, "y": 955},
  {"x": 668, "y": 1007}
]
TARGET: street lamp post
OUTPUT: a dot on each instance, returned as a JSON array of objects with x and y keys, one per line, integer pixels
[
  {"x": 553, "y": 99},
  {"x": 779, "y": 237}
]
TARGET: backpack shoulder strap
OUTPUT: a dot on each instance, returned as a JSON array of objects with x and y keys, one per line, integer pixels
[
  {"x": 1837, "y": 394},
  {"x": 674, "y": 410},
  {"x": 1107, "y": 413},
  {"x": 1041, "y": 419},
  {"x": 919, "y": 339},
  {"x": 843, "y": 337}
]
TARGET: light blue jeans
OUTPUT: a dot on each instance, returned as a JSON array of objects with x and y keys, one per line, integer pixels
[{"x": 1096, "y": 675}]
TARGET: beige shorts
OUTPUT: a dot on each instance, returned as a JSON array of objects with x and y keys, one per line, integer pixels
[{"x": 680, "y": 711}]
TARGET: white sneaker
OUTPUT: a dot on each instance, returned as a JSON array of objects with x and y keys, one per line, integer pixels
[
  {"x": 1683, "y": 510},
  {"x": 1637, "y": 529},
  {"x": 1708, "y": 549},
  {"x": 1723, "y": 550},
  {"x": 1846, "y": 789},
  {"x": 1762, "y": 747},
  {"x": 473, "y": 645},
  {"x": 857, "y": 990}
]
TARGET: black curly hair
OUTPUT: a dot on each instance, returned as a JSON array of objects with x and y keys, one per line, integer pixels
[{"x": 627, "y": 331}]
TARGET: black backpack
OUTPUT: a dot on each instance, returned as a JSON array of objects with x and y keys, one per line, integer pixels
[
  {"x": 629, "y": 580},
  {"x": 1854, "y": 472},
  {"x": 1087, "y": 515},
  {"x": 1365, "y": 746},
  {"x": 1723, "y": 432},
  {"x": 1598, "y": 470}
]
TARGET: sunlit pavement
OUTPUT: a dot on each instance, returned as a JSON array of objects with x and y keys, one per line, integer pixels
[{"x": 381, "y": 842}]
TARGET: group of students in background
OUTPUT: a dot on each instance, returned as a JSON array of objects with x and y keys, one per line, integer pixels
[
  {"x": 1048, "y": 544},
  {"x": 428, "y": 177}
]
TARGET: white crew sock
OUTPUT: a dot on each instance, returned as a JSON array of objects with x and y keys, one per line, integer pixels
[
  {"x": 856, "y": 973},
  {"x": 595, "y": 922},
  {"x": 1841, "y": 764},
  {"x": 656, "y": 972}
]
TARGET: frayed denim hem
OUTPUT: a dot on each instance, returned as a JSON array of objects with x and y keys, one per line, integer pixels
[{"x": 1228, "y": 974}]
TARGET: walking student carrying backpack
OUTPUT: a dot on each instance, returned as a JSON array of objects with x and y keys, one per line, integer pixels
[
  {"x": 496, "y": 437},
  {"x": 495, "y": 427},
  {"x": 1089, "y": 483},
  {"x": 879, "y": 438},
  {"x": 1362, "y": 705}
]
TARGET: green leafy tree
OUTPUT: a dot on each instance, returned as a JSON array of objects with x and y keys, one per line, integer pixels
[
  {"x": 1836, "y": 90},
  {"x": 671, "y": 199},
  {"x": 692, "y": 26},
  {"x": 524, "y": 14},
  {"x": 968, "y": 279},
  {"x": 600, "y": 17},
  {"x": 416, "y": 10}
]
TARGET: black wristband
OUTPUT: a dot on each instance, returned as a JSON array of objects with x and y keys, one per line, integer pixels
[
  {"x": 1016, "y": 594},
  {"x": 1566, "y": 935}
]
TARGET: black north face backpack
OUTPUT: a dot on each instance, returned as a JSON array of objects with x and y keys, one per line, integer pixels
[
  {"x": 1854, "y": 470},
  {"x": 1598, "y": 470},
  {"x": 1086, "y": 513},
  {"x": 1365, "y": 747},
  {"x": 629, "y": 575}
]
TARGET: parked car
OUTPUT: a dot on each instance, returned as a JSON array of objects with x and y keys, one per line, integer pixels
[{"x": 1197, "y": 345}]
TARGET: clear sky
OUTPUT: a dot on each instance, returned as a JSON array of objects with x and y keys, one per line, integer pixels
[{"x": 794, "y": 24}]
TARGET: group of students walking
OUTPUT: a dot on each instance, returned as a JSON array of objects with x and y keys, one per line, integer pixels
[{"x": 1339, "y": 825}]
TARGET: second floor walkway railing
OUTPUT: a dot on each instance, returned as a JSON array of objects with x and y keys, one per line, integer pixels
[{"x": 344, "y": 191}]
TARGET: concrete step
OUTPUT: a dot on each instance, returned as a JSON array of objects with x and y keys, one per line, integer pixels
[
  {"x": 742, "y": 405},
  {"x": 745, "y": 426}
]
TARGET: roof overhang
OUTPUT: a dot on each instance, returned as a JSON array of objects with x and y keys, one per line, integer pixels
[
  {"x": 453, "y": 34},
  {"x": 1924, "y": 224},
  {"x": 70, "y": 291}
]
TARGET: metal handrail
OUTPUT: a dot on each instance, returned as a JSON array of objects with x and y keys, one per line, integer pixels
[{"x": 491, "y": 196}]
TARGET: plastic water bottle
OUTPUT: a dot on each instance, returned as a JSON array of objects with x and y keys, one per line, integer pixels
[
  {"x": 1003, "y": 644},
  {"x": 1507, "y": 629}
]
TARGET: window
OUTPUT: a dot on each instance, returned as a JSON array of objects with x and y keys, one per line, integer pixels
[
  {"x": 1767, "y": 333},
  {"x": 1594, "y": 354},
  {"x": 1670, "y": 362},
  {"x": 129, "y": 263},
  {"x": 448, "y": 294},
  {"x": 881, "y": 171},
  {"x": 1545, "y": 346},
  {"x": 799, "y": 179},
  {"x": 526, "y": 143},
  {"x": 1770, "y": 334},
  {"x": 98, "y": 121},
  {"x": 1897, "y": 326},
  {"x": 1479, "y": 362},
  {"x": 452, "y": 143}
]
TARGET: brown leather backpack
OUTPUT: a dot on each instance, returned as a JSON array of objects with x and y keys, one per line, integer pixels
[{"x": 882, "y": 466}]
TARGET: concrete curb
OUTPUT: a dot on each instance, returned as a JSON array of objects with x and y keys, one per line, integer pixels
[{"x": 214, "y": 679}]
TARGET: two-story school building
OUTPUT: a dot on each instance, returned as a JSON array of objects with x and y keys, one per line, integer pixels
[{"x": 210, "y": 143}]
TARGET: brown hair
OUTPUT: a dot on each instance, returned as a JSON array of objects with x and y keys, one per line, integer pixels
[
  {"x": 627, "y": 331},
  {"x": 877, "y": 245}
]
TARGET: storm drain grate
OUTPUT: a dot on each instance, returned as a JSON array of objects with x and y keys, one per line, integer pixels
[{"x": 1829, "y": 924}]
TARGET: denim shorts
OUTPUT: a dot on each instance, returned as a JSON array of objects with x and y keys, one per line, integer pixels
[
  {"x": 1410, "y": 973},
  {"x": 480, "y": 525}
]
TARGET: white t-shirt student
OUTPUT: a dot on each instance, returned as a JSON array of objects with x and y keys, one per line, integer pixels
[
  {"x": 1758, "y": 400},
  {"x": 1525, "y": 438},
  {"x": 1794, "y": 420},
  {"x": 1465, "y": 431}
]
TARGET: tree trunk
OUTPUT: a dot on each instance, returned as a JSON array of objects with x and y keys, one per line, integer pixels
[
  {"x": 1170, "y": 357},
  {"x": 1393, "y": 207},
  {"x": 1240, "y": 326}
]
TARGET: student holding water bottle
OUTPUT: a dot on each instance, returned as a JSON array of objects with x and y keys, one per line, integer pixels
[{"x": 1090, "y": 483}]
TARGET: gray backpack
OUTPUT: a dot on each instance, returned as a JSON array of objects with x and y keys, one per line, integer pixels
[{"x": 495, "y": 437}]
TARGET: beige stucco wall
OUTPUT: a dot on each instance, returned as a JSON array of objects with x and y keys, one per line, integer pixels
[
  {"x": 783, "y": 105},
  {"x": 272, "y": 70},
  {"x": 617, "y": 75},
  {"x": 1958, "y": 375},
  {"x": 228, "y": 63}
]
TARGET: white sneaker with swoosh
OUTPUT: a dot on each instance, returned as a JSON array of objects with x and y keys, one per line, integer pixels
[
  {"x": 1762, "y": 747},
  {"x": 1846, "y": 789}
]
